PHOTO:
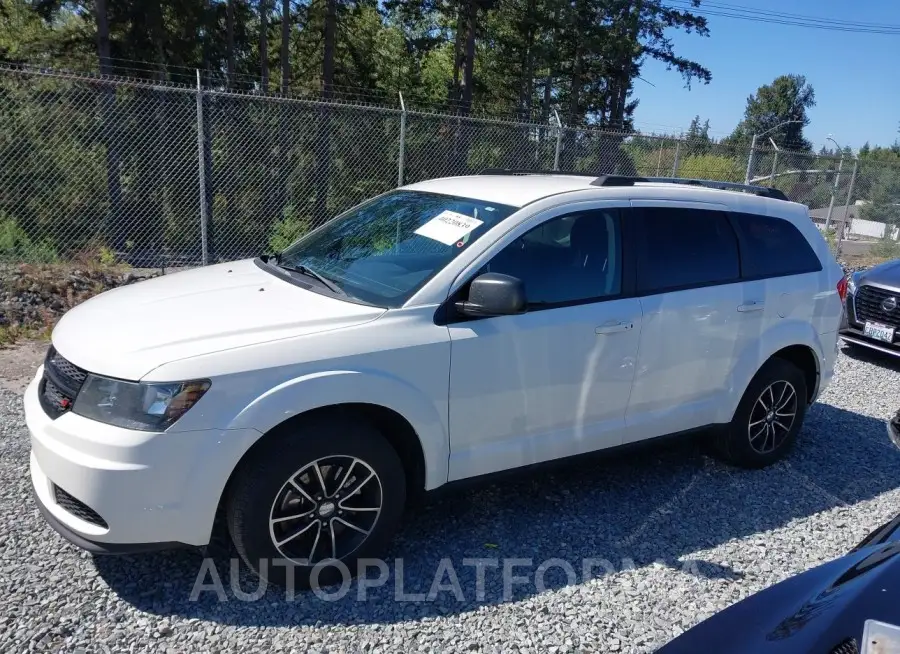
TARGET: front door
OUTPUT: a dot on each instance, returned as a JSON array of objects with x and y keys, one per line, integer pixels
[{"x": 555, "y": 380}]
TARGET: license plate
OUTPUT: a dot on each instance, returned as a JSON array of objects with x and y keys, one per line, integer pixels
[{"x": 879, "y": 332}]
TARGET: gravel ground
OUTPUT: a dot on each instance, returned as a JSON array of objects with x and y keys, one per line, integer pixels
[{"x": 682, "y": 536}]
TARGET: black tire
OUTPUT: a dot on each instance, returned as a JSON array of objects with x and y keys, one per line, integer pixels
[
  {"x": 733, "y": 443},
  {"x": 338, "y": 446}
]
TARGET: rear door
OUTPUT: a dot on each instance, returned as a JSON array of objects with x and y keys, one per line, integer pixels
[
  {"x": 688, "y": 281},
  {"x": 780, "y": 265}
]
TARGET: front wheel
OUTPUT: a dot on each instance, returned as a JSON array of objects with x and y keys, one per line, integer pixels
[
  {"x": 315, "y": 498},
  {"x": 768, "y": 418}
]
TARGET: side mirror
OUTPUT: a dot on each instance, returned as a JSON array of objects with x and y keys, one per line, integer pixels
[{"x": 493, "y": 294}]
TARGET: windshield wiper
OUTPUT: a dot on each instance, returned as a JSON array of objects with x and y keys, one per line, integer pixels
[
  {"x": 276, "y": 260},
  {"x": 309, "y": 272}
]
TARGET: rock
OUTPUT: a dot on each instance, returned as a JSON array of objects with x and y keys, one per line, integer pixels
[{"x": 35, "y": 297}]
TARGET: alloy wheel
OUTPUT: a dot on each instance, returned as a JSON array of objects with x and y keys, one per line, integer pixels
[
  {"x": 326, "y": 510},
  {"x": 772, "y": 417}
]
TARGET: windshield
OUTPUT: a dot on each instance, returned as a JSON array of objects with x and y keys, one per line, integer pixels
[{"x": 383, "y": 251}]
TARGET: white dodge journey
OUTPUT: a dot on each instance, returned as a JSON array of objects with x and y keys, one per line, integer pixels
[{"x": 442, "y": 331}]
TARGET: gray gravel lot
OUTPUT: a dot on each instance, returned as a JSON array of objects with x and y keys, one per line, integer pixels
[{"x": 683, "y": 537}]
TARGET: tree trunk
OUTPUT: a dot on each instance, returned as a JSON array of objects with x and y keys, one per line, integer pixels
[
  {"x": 454, "y": 95},
  {"x": 575, "y": 85},
  {"x": 329, "y": 38},
  {"x": 103, "y": 50},
  {"x": 285, "y": 45},
  {"x": 284, "y": 113},
  {"x": 469, "y": 64},
  {"x": 526, "y": 80},
  {"x": 322, "y": 172},
  {"x": 107, "y": 115},
  {"x": 229, "y": 41},
  {"x": 264, "y": 44},
  {"x": 631, "y": 23}
]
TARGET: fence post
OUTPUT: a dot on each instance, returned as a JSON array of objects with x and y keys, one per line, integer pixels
[
  {"x": 750, "y": 160},
  {"x": 834, "y": 190},
  {"x": 559, "y": 131},
  {"x": 401, "y": 159},
  {"x": 659, "y": 158},
  {"x": 847, "y": 203},
  {"x": 774, "y": 166},
  {"x": 201, "y": 159},
  {"x": 677, "y": 161}
]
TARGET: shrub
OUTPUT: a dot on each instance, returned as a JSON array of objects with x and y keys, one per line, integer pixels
[
  {"x": 886, "y": 248},
  {"x": 16, "y": 245},
  {"x": 287, "y": 230}
]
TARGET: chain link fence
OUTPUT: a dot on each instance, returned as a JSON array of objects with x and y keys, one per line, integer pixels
[{"x": 162, "y": 176}]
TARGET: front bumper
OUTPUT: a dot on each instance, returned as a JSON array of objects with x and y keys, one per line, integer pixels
[
  {"x": 149, "y": 490},
  {"x": 856, "y": 337},
  {"x": 851, "y": 332}
]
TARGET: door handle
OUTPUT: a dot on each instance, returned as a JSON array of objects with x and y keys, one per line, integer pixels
[
  {"x": 752, "y": 306},
  {"x": 613, "y": 326}
]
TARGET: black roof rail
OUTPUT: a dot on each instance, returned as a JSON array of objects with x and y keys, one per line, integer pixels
[
  {"x": 532, "y": 171},
  {"x": 621, "y": 180}
]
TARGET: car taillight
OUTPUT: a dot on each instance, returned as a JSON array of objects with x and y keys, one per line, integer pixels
[{"x": 842, "y": 288}]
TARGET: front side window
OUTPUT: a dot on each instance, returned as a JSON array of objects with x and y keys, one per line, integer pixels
[
  {"x": 572, "y": 258},
  {"x": 680, "y": 248},
  {"x": 383, "y": 251}
]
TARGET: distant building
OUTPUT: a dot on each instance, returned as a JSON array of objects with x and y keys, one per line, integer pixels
[
  {"x": 837, "y": 216},
  {"x": 857, "y": 227}
]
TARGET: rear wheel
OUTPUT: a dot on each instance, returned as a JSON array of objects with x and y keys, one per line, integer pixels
[
  {"x": 768, "y": 418},
  {"x": 315, "y": 498}
]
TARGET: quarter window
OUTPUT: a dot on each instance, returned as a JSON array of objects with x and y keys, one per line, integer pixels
[
  {"x": 570, "y": 258},
  {"x": 680, "y": 248},
  {"x": 771, "y": 247}
]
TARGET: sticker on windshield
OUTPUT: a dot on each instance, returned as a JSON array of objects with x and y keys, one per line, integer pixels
[{"x": 448, "y": 227}]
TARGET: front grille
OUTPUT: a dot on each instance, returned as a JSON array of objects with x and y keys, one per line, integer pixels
[
  {"x": 60, "y": 385},
  {"x": 847, "y": 646},
  {"x": 867, "y": 306},
  {"x": 77, "y": 508},
  {"x": 66, "y": 368}
]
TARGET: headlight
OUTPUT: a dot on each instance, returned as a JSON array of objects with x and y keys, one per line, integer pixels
[
  {"x": 851, "y": 284},
  {"x": 148, "y": 407}
]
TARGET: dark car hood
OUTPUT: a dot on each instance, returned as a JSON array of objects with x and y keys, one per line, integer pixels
[
  {"x": 887, "y": 273},
  {"x": 812, "y": 612}
]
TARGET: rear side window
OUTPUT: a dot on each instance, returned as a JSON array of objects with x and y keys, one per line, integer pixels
[
  {"x": 680, "y": 248},
  {"x": 771, "y": 247}
]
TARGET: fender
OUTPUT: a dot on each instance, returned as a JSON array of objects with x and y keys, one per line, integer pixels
[
  {"x": 322, "y": 389},
  {"x": 784, "y": 334}
]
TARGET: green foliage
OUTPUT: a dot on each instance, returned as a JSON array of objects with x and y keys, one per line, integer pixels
[
  {"x": 886, "y": 248},
  {"x": 287, "y": 230},
  {"x": 106, "y": 256},
  {"x": 787, "y": 98},
  {"x": 17, "y": 246},
  {"x": 712, "y": 166},
  {"x": 879, "y": 184}
]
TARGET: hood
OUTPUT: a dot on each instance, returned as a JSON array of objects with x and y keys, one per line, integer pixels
[
  {"x": 128, "y": 331},
  {"x": 887, "y": 273},
  {"x": 812, "y": 612}
]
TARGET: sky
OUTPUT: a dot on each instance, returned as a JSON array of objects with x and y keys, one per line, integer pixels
[{"x": 855, "y": 75}]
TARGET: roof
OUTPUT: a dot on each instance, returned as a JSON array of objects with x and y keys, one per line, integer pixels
[
  {"x": 837, "y": 214},
  {"x": 514, "y": 190},
  {"x": 517, "y": 190}
]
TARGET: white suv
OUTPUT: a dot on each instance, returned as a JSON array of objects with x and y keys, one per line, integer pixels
[{"x": 444, "y": 330}]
